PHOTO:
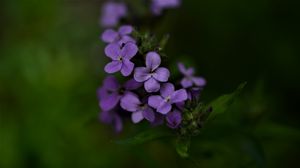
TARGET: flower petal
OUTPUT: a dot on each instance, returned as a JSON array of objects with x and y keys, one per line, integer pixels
[
  {"x": 111, "y": 83},
  {"x": 179, "y": 96},
  {"x": 109, "y": 36},
  {"x": 181, "y": 68},
  {"x": 148, "y": 113},
  {"x": 109, "y": 102},
  {"x": 159, "y": 119},
  {"x": 129, "y": 50},
  {"x": 126, "y": 29},
  {"x": 113, "y": 67},
  {"x": 126, "y": 39},
  {"x": 199, "y": 81},
  {"x": 132, "y": 84},
  {"x": 151, "y": 85},
  {"x": 154, "y": 101},
  {"x": 167, "y": 89},
  {"x": 137, "y": 117},
  {"x": 130, "y": 102},
  {"x": 106, "y": 117},
  {"x": 186, "y": 82},
  {"x": 141, "y": 74},
  {"x": 118, "y": 123},
  {"x": 127, "y": 67},
  {"x": 185, "y": 71},
  {"x": 162, "y": 74},
  {"x": 164, "y": 107},
  {"x": 152, "y": 60},
  {"x": 113, "y": 51},
  {"x": 174, "y": 119}
]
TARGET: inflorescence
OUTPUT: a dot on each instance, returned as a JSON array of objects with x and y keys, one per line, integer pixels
[{"x": 148, "y": 94}]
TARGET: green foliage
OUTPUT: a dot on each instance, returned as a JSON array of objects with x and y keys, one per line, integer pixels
[
  {"x": 182, "y": 146},
  {"x": 222, "y": 103},
  {"x": 146, "y": 136}
]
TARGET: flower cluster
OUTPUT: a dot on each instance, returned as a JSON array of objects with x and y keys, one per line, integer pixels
[{"x": 148, "y": 94}]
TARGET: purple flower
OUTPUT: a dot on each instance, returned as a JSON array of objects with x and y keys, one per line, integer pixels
[
  {"x": 189, "y": 79},
  {"x": 112, "y": 92},
  {"x": 112, "y": 118},
  {"x": 174, "y": 119},
  {"x": 120, "y": 58},
  {"x": 131, "y": 102},
  {"x": 152, "y": 74},
  {"x": 159, "y": 5},
  {"x": 112, "y": 12},
  {"x": 163, "y": 103},
  {"x": 121, "y": 36}
]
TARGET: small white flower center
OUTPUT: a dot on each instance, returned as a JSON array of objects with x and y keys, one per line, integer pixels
[
  {"x": 167, "y": 99},
  {"x": 120, "y": 58}
]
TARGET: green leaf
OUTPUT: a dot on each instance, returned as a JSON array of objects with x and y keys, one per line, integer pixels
[
  {"x": 222, "y": 103},
  {"x": 163, "y": 42},
  {"x": 182, "y": 146},
  {"x": 146, "y": 136}
]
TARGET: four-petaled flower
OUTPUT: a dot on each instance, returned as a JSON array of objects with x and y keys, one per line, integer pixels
[
  {"x": 111, "y": 92},
  {"x": 112, "y": 12},
  {"x": 111, "y": 117},
  {"x": 152, "y": 74},
  {"x": 120, "y": 58},
  {"x": 163, "y": 103},
  {"x": 158, "y": 5},
  {"x": 174, "y": 119},
  {"x": 131, "y": 102},
  {"x": 189, "y": 79},
  {"x": 121, "y": 36}
]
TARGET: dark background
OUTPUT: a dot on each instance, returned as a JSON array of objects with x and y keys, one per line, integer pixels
[{"x": 51, "y": 63}]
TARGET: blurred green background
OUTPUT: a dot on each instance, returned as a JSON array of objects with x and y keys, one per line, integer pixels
[{"x": 51, "y": 63}]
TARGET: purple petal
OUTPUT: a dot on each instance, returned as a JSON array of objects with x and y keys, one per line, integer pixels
[
  {"x": 132, "y": 84},
  {"x": 121, "y": 9},
  {"x": 174, "y": 119},
  {"x": 137, "y": 117},
  {"x": 200, "y": 82},
  {"x": 186, "y": 82},
  {"x": 141, "y": 74},
  {"x": 148, "y": 113},
  {"x": 109, "y": 36},
  {"x": 101, "y": 93},
  {"x": 130, "y": 102},
  {"x": 113, "y": 67},
  {"x": 129, "y": 50},
  {"x": 106, "y": 117},
  {"x": 151, "y": 85},
  {"x": 126, "y": 39},
  {"x": 111, "y": 83},
  {"x": 124, "y": 30},
  {"x": 167, "y": 3},
  {"x": 152, "y": 60},
  {"x": 164, "y": 107},
  {"x": 112, "y": 12},
  {"x": 167, "y": 89},
  {"x": 109, "y": 102},
  {"x": 118, "y": 123},
  {"x": 154, "y": 101},
  {"x": 184, "y": 70},
  {"x": 127, "y": 67},
  {"x": 181, "y": 68},
  {"x": 159, "y": 119},
  {"x": 162, "y": 74},
  {"x": 113, "y": 51},
  {"x": 180, "y": 105},
  {"x": 179, "y": 96}
]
